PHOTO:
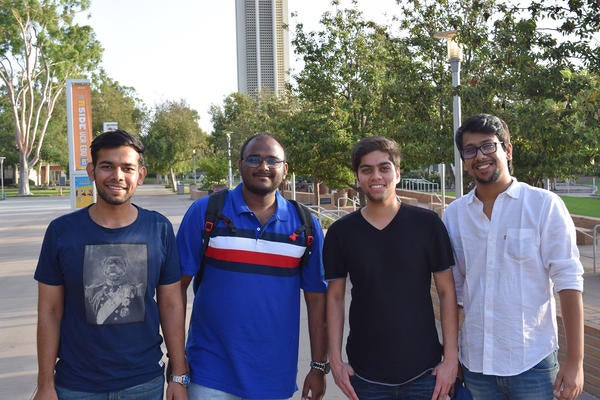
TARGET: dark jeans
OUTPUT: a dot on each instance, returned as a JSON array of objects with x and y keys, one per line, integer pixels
[
  {"x": 533, "y": 384},
  {"x": 152, "y": 390},
  {"x": 418, "y": 389}
]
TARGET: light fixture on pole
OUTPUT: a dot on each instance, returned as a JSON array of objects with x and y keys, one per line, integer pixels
[
  {"x": 229, "y": 174},
  {"x": 194, "y": 153},
  {"x": 2, "y": 176},
  {"x": 454, "y": 58}
]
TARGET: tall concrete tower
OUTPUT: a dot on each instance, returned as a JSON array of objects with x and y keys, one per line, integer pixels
[{"x": 262, "y": 45}]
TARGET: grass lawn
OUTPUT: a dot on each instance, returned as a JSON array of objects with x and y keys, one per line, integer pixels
[
  {"x": 14, "y": 192},
  {"x": 588, "y": 206}
]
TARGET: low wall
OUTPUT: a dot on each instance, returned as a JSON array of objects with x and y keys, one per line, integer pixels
[{"x": 585, "y": 228}]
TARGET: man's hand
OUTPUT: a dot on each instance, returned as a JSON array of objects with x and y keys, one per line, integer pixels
[
  {"x": 176, "y": 391},
  {"x": 569, "y": 382},
  {"x": 48, "y": 393},
  {"x": 341, "y": 375},
  {"x": 445, "y": 377},
  {"x": 314, "y": 385}
]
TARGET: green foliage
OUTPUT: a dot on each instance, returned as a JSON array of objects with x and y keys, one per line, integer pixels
[
  {"x": 173, "y": 135},
  {"x": 112, "y": 102},
  {"x": 40, "y": 48},
  {"x": 214, "y": 171},
  {"x": 513, "y": 67},
  {"x": 54, "y": 149},
  {"x": 535, "y": 67},
  {"x": 345, "y": 93}
]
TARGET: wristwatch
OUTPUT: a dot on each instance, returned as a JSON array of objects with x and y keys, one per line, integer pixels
[
  {"x": 181, "y": 379},
  {"x": 321, "y": 366}
]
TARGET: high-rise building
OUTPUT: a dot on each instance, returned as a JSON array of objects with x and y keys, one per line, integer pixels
[{"x": 262, "y": 45}]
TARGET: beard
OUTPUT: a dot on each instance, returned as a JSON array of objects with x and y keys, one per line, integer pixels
[
  {"x": 490, "y": 180},
  {"x": 114, "y": 201},
  {"x": 261, "y": 191},
  {"x": 260, "y": 188}
]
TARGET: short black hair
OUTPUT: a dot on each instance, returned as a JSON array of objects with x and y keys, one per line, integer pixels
[
  {"x": 117, "y": 138},
  {"x": 375, "y": 143},
  {"x": 484, "y": 123},
  {"x": 261, "y": 135}
]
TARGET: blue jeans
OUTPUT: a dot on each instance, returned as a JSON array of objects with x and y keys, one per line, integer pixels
[
  {"x": 533, "y": 384},
  {"x": 151, "y": 390},
  {"x": 199, "y": 392},
  {"x": 418, "y": 389}
]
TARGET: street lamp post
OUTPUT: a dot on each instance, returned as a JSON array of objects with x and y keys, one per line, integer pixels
[
  {"x": 229, "y": 174},
  {"x": 194, "y": 153},
  {"x": 2, "y": 176},
  {"x": 454, "y": 58}
]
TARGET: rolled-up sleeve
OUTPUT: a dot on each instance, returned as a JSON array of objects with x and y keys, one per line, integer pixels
[{"x": 559, "y": 247}]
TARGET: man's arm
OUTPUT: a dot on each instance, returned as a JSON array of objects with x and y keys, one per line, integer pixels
[
  {"x": 336, "y": 298},
  {"x": 50, "y": 311},
  {"x": 446, "y": 371},
  {"x": 569, "y": 380},
  {"x": 314, "y": 383},
  {"x": 171, "y": 309},
  {"x": 185, "y": 283}
]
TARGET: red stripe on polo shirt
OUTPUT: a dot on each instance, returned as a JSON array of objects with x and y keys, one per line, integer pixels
[{"x": 252, "y": 257}]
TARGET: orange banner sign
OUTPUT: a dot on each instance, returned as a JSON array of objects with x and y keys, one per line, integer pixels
[{"x": 81, "y": 102}]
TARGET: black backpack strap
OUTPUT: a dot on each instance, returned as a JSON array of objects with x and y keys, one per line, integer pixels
[
  {"x": 307, "y": 227},
  {"x": 216, "y": 201}
]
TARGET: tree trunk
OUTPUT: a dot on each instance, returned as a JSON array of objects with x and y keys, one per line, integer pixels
[
  {"x": 173, "y": 180},
  {"x": 24, "y": 189}
]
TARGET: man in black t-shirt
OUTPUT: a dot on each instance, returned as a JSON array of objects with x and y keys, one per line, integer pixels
[{"x": 390, "y": 252}]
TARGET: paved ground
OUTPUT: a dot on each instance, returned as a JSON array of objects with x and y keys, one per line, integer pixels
[{"x": 22, "y": 225}]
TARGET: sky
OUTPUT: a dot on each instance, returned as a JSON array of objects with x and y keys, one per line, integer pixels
[{"x": 186, "y": 49}]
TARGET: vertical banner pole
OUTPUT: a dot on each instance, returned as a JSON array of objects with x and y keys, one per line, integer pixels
[{"x": 79, "y": 133}]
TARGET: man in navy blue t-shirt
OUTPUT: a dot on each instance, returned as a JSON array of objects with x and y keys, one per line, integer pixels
[{"x": 99, "y": 272}]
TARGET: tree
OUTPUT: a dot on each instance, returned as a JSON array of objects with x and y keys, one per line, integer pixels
[
  {"x": 240, "y": 117},
  {"x": 7, "y": 137},
  {"x": 112, "y": 102},
  {"x": 512, "y": 67},
  {"x": 40, "y": 47},
  {"x": 172, "y": 136},
  {"x": 342, "y": 93}
]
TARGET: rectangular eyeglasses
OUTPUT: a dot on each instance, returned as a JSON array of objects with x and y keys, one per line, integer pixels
[
  {"x": 256, "y": 161},
  {"x": 486, "y": 148}
]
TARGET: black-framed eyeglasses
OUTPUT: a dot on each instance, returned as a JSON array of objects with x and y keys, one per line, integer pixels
[
  {"x": 486, "y": 148},
  {"x": 256, "y": 161}
]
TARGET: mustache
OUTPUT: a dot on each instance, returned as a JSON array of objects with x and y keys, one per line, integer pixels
[{"x": 263, "y": 174}]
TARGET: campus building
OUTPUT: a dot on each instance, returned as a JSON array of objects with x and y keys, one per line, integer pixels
[{"x": 262, "y": 45}]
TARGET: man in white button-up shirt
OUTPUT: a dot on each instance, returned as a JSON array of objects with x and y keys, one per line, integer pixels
[{"x": 514, "y": 246}]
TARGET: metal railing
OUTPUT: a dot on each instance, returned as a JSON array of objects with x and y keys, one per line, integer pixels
[
  {"x": 324, "y": 214},
  {"x": 595, "y": 238},
  {"x": 419, "y": 185},
  {"x": 355, "y": 202}
]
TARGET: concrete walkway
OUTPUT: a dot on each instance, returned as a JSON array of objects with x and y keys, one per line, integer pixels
[{"x": 23, "y": 222}]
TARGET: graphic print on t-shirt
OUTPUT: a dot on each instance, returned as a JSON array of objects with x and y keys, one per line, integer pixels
[{"x": 115, "y": 277}]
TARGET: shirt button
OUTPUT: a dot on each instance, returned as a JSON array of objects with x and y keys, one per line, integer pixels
[{"x": 258, "y": 229}]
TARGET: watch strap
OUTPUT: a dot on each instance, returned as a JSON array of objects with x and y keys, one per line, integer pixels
[
  {"x": 321, "y": 366},
  {"x": 181, "y": 379}
]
